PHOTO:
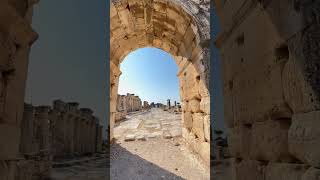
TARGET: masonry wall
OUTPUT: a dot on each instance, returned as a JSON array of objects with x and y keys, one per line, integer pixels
[
  {"x": 180, "y": 28},
  {"x": 74, "y": 130},
  {"x": 268, "y": 52},
  {"x": 16, "y": 37}
]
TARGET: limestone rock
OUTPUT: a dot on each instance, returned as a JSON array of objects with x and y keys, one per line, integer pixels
[
  {"x": 280, "y": 171},
  {"x": 141, "y": 138},
  {"x": 9, "y": 150},
  {"x": 311, "y": 174},
  {"x": 206, "y": 124},
  {"x": 167, "y": 135},
  {"x": 194, "y": 105},
  {"x": 198, "y": 125},
  {"x": 304, "y": 137},
  {"x": 130, "y": 137},
  {"x": 296, "y": 90},
  {"x": 205, "y": 105},
  {"x": 270, "y": 141},
  {"x": 205, "y": 152},
  {"x": 239, "y": 141},
  {"x": 247, "y": 170},
  {"x": 187, "y": 120}
]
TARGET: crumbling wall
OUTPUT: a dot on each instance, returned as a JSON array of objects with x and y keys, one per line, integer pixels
[
  {"x": 269, "y": 53},
  {"x": 16, "y": 37}
]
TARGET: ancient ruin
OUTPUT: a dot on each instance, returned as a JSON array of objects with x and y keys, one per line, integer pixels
[
  {"x": 182, "y": 29},
  {"x": 269, "y": 54},
  {"x": 126, "y": 104},
  {"x": 269, "y": 51},
  {"x": 61, "y": 131}
]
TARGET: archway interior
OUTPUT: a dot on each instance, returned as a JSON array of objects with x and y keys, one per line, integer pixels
[
  {"x": 148, "y": 91},
  {"x": 151, "y": 74},
  {"x": 167, "y": 26}
]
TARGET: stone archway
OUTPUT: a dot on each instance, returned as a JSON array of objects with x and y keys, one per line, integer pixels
[{"x": 181, "y": 29}]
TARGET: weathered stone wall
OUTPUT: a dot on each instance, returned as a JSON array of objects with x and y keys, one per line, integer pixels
[
  {"x": 126, "y": 104},
  {"x": 16, "y": 37},
  {"x": 181, "y": 28},
  {"x": 74, "y": 130},
  {"x": 270, "y": 61}
]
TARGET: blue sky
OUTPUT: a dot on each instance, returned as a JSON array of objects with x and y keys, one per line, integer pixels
[{"x": 151, "y": 74}]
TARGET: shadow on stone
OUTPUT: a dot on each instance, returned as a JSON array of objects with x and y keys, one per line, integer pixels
[{"x": 125, "y": 165}]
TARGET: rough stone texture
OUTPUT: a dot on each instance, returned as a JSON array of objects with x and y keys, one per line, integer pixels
[
  {"x": 239, "y": 141},
  {"x": 180, "y": 28},
  {"x": 205, "y": 105},
  {"x": 197, "y": 125},
  {"x": 126, "y": 104},
  {"x": 311, "y": 174},
  {"x": 304, "y": 137},
  {"x": 269, "y": 54},
  {"x": 247, "y": 170},
  {"x": 206, "y": 126},
  {"x": 280, "y": 171},
  {"x": 194, "y": 105},
  {"x": 187, "y": 120},
  {"x": 270, "y": 141}
]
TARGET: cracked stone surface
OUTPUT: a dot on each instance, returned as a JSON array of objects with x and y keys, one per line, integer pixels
[
  {"x": 154, "y": 123},
  {"x": 164, "y": 153}
]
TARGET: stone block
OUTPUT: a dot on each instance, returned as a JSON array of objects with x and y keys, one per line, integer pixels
[
  {"x": 10, "y": 135},
  {"x": 311, "y": 174},
  {"x": 187, "y": 120},
  {"x": 281, "y": 171},
  {"x": 8, "y": 170},
  {"x": 194, "y": 105},
  {"x": 191, "y": 85},
  {"x": 304, "y": 138},
  {"x": 185, "y": 106},
  {"x": 228, "y": 101},
  {"x": 205, "y": 152},
  {"x": 247, "y": 170},
  {"x": 203, "y": 89},
  {"x": 298, "y": 94},
  {"x": 270, "y": 141},
  {"x": 206, "y": 124},
  {"x": 205, "y": 105},
  {"x": 197, "y": 126},
  {"x": 239, "y": 141}
]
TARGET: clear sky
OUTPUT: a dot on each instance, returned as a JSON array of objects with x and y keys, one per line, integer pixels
[
  {"x": 151, "y": 74},
  {"x": 67, "y": 61}
]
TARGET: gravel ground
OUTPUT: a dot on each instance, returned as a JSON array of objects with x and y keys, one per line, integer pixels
[
  {"x": 93, "y": 170},
  {"x": 161, "y": 155}
]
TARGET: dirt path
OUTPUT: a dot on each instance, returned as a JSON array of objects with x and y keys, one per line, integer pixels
[
  {"x": 93, "y": 170},
  {"x": 157, "y": 156}
]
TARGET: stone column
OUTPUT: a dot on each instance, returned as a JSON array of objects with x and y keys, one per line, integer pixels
[
  {"x": 27, "y": 129},
  {"x": 43, "y": 119},
  {"x": 70, "y": 134},
  {"x": 114, "y": 82},
  {"x": 75, "y": 135}
]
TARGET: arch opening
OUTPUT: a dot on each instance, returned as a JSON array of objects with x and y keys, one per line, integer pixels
[{"x": 168, "y": 26}]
